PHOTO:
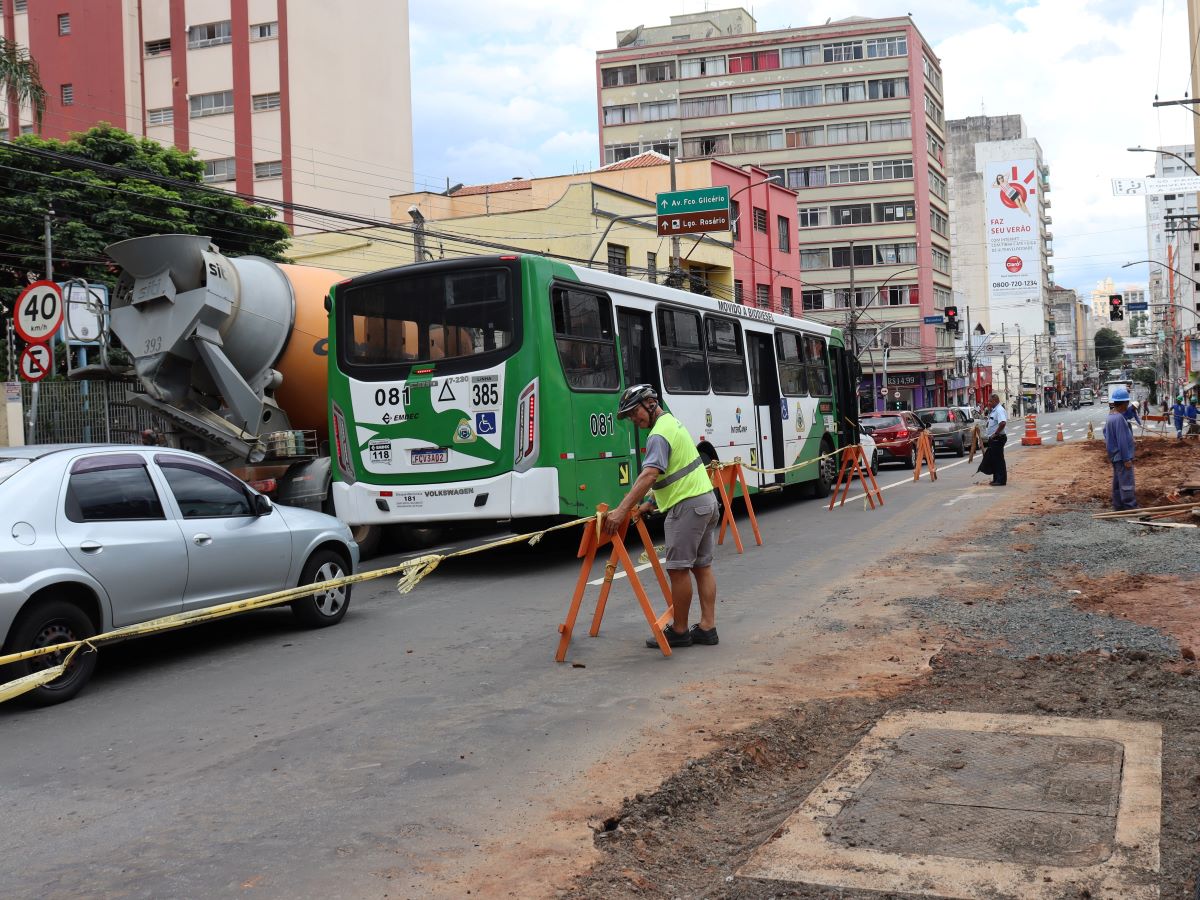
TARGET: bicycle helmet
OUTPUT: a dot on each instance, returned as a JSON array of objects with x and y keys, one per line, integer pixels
[{"x": 633, "y": 397}]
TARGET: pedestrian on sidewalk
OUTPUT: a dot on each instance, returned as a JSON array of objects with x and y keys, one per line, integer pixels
[
  {"x": 994, "y": 440},
  {"x": 683, "y": 491},
  {"x": 1118, "y": 441},
  {"x": 1178, "y": 410}
]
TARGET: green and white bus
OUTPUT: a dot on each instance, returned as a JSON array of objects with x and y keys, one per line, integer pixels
[{"x": 487, "y": 387}]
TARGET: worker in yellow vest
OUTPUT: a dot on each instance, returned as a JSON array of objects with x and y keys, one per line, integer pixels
[{"x": 682, "y": 490}]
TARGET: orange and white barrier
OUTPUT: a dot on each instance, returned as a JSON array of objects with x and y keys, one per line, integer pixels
[{"x": 1031, "y": 438}]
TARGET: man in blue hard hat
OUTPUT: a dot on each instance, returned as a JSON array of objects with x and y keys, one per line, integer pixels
[
  {"x": 1177, "y": 411},
  {"x": 1118, "y": 441}
]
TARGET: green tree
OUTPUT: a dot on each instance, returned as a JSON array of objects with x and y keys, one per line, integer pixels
[
  {"x": 1110, "y": 349},
  {"x": 20, "y": 81},
  {"x": 95, "y": 206},
  {"x": 1148, "y": 377}
]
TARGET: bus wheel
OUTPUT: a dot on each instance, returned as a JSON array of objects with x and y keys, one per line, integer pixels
[
  {"x": 418, "y": 537},
  {"x": 827, "y": 470},
  {"x": 367, "y": 537}
]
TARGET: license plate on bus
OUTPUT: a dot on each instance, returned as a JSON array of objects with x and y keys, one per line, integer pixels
[{"x": 429, "y": 456}]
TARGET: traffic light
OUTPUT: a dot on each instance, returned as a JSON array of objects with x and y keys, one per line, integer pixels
[
  {"x": 1116, "y": 308},
  {"x": 951, "y": 314}
]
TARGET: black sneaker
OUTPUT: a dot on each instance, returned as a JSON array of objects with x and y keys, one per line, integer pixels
[
  {"x": 700, "y": 636},
  {"x": 674, "y": 639}
]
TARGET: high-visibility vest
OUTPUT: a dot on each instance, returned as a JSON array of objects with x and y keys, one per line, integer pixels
[{"x": 685, "y": 476}]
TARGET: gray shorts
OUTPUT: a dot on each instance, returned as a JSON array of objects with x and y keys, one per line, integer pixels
[{"x": 691, "y": 529}]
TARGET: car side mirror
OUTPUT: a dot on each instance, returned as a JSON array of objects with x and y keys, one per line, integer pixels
[{"x": 262, "y": 505}]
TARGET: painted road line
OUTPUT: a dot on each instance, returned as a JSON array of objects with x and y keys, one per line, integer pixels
[
  {"x": 888, "y": 487},
  {"x": 621, "y": 573}
]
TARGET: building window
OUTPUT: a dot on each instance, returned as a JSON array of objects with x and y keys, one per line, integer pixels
[
  {"x": 895, "y": 212},
  {"x": 273, "y": 169},
  {"x": 711, "y": 145},
  {"x": 812, "y": 300},
  {"x": 841, "y": 297},
  {"x": 262, "y": 102},
  {"x": 619, "y": 76},
  {"x": 760, "y": 220},
  {"x": 652, "y": 72},
  {"x": 938, "y": 222},
  {"x": 931, "y": 73},
  {"x": 843, "y": 51},
  {"x": 652, "y": 267},
  {"x": 209, "y": 35},
  {"x": 900, "y": 294},
  {"x": 784, "y": 227},
  {"x": 755, "y": 101},
  {"x": 28, "y": 129},
  {"x": 704, "y": 106},
  {"x": 895, "y": 254},
  {"x": 937, "y": 185},
  {"x": 211, "y": 104},
  {"x": 738, "y": 294},
  {"x": 877, "y": 48},
  {"x": 846, "y": 92},
  {"x": 64, "y": 24},
  {"x": 811, "y": 217},
  {"x": 858, "y": 255},
  {"x": 162, "y": 116},
  {"x": 705, "y": 65},
  {"x": 806, "y": 176},
  {"x": 762, "y": 296},
  {"x": 933, "y": 110},
  {"x": 809, "y": 136},
  {"x": 847, "y": 133},
  {"x": 264, "y": 31},
  {"x": 814, "y": 258},
  {"x": 756, "y": 141},
  {"x": 892, "y": 169},
  {"x": 66, "y": 94},
  {"x": 858, "y": 214},
  {"x": 664, "y": 147},
  {"x": 19, "y": 6},
  {"x": 618, "y": 259},
  {"x": 935, "y": 146},
  {"x": 621, "y": 115},
  {"x": 617, "y": 152},
  {"x": 887, "y": 88},
  {"x": 801, "y": 56},
  {"x": 891, "y": 129},
  {"x": 803, "y": 96},
  {"x": 849, "y": 173},
  {"x": 735, "y": 219},
  {"x": 753, "y": 62},
  {"x": 656, "y": 112},
  {"x": 155, "y": 48},
  {"x": 220, "y": 169},
  {"x": 785, "y": 301},
  {"x": 941, "y": 259}
]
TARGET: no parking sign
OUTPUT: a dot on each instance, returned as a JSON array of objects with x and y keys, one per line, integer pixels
[
  {"x": 36, "y": 362},
  {"x": 39, "y": 312}
]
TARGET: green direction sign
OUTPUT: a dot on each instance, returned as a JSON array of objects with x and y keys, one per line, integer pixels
[{"x": 700, "y": 200}]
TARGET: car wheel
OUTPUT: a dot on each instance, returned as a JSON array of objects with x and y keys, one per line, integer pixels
[
  {"x": 49, "y": 622},
  {"x": 827, "y": 471},
  {"x": 328, "y": 605},
  {"x": 874, "y": 462},
  {"x": 962, "y": 446},
  {"x": 910, "y": 461}
]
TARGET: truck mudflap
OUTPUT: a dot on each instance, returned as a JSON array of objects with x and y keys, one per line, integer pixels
[{"x": 306, "y": 484}]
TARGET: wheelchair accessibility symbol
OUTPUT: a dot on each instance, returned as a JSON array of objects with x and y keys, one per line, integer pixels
[{"x": 485, "y": 423}]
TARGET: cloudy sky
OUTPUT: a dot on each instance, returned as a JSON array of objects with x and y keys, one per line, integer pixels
[{"x": 505, "y": 88}]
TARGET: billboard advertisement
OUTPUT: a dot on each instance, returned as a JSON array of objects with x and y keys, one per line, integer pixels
[{"x": 1012, "y": 205}]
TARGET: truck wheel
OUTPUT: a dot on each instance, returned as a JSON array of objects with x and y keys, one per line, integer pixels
[
  {"x": 367, "y": 537},
  {"x": 44, "y": 623},
  {"x": 327, "y": 606}
]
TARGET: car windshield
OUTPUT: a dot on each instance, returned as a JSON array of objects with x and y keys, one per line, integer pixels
[
  {"x": 11, "y": 467},
  {"x": 930, "y": 416},
  {"x": 876, "y": 422}
]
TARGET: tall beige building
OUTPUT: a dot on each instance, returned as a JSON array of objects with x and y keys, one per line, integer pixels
[
  {"x": 847, "y": 114},
  {"x": 293, "y": 100}
]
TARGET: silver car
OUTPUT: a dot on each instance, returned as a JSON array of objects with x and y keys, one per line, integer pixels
[{"x": 94, "y": 537}]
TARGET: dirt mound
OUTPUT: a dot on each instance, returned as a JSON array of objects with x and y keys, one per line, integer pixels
[{"x": 1161, "y": 467}]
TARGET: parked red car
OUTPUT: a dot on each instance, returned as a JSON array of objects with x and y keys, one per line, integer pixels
[{"x": 895, "y": 435}]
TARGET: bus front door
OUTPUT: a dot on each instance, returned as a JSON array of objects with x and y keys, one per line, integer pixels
[
  {"x": 639, "y": 365},
  {"x": 768, "y": 412}
]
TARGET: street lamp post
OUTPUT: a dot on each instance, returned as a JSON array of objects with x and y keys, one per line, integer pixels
[
  {"x": 1172, "y": 355},
  {"x": 1163, "y": 153}
]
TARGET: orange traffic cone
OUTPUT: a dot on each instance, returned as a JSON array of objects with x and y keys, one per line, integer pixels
[
  {"x": 1060, "y": 437},
  {"x": 1031, "y": 438}
]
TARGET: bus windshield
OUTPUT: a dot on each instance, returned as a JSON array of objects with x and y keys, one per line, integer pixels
[{"x": 426, "y": 316}]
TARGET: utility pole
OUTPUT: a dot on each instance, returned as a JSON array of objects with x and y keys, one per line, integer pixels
[
  {"x": 1020, "y": 372},
  {"x": 675, "y": 279},
  {"x": 1007, "y": 392},
  {"x": 971, "y": 386},
  {"x": 36, "y": 389}
]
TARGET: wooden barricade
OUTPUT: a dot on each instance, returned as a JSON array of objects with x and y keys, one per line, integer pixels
[
  {"x": 855, "y": 464},
  {"x": 592, "y": 541},
  {"x": 1159, "y": 421},
  {"x": 724, "y": 479},
  {"x": 976, "y": 443},
  {"x": 925, "y": 455}
]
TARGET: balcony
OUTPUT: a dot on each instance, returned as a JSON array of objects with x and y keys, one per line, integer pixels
[{"x": 1046, "y": 220}]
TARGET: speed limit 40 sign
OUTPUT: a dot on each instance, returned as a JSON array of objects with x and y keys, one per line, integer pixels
[{"x": 39, "y": 312}]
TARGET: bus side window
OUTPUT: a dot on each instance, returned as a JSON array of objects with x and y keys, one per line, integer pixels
[
  {"x": 818, "y": 366},
  {"x": 584, "y": 336},
  {"x": 681, "y": 349},
  {"x": 792, "y": 377},
  {"x": 726, "y": 356}
]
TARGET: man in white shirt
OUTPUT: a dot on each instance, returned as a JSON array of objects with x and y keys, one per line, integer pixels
[{"x": 993, "y": 455}]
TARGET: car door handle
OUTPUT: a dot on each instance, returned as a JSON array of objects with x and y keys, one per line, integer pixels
[
  {"x": 202, "y": 539},
  {"x": 91, "y": 547}
]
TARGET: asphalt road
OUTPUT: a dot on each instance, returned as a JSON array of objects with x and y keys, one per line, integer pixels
[{"x": 380, "y": 757}]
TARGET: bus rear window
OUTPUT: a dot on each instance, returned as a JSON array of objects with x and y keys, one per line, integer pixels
[{"x": 426, "y": 317}]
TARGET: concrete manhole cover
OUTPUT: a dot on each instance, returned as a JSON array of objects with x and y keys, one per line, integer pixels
[{"x": 969, "y": 805}]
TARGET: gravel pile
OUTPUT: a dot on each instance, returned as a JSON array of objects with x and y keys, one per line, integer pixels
[{"x": 1027, "y": 613}]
